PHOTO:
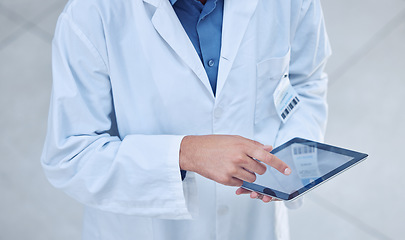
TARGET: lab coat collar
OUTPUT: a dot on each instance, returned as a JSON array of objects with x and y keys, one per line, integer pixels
[
  {"x": 169, "y": 27},
  {"x": 237, "y": 15}
]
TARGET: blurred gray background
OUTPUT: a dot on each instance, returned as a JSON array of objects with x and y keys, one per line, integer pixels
[{"x": 366, "y": 97}]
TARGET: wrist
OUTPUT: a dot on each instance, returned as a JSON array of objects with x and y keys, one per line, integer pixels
[{"x": 184, "y": 161}]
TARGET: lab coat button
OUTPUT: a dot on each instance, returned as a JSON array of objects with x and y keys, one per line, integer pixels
[
  {"x": 222, "y": 210},
  {"x": 211, "y": 63},
  {"x": 218, "y": 113}
]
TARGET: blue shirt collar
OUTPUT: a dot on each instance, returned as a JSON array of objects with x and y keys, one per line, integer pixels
[{"x": 172, "y": 1}]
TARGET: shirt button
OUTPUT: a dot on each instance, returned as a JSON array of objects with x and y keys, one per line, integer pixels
[
  {"x": 218, "y": 113},
  {"x": 211, "y": 63},
  {"x": 222, "y": 210}
]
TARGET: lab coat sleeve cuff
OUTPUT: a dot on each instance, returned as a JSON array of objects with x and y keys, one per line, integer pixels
[
  {"x": 139, "y": 175},
  {"x": 169, "y": 197}
]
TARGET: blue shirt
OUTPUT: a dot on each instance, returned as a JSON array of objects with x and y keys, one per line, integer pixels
[{"x": 203, "y": 25}]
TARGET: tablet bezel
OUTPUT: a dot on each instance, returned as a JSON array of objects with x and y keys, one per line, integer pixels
[{"x": 357, "y": 158}]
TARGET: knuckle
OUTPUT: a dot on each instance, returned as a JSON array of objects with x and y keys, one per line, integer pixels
[
  {"x": 233, "y": 171},
  {"x": 244, "y": 160},
  {"x": 259, "y": 154},
  {"x": 271, "y": 159},
  {"x": 238, "y": 158}
]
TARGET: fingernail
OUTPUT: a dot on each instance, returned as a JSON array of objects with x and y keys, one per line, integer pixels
[{"x": 287, "y": 171}]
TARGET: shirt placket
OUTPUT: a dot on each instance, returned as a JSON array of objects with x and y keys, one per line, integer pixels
[{"x": 208, "y": 45}]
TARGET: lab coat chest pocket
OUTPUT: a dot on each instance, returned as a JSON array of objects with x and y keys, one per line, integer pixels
[{"x": 269, "y": 73}]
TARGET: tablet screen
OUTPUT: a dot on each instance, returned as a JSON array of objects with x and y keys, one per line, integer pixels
[{"x": 311, "y": 164}]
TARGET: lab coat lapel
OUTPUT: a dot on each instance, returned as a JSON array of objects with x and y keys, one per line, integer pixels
[
  {"x": 237, "y": 14},
  {"x": 170, "y": 29}
]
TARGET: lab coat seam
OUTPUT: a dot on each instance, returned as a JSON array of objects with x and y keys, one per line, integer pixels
[
  {"x": 83, "y": 37},
  {"x": 321, "y": 80},
  {"x": 299, "y": 20},
  {"x": 176, "y": 205},
  {"x": 122, "y": 206},
  {"x": 178, "y": 184},
  {"x": 107, "y": 203}
]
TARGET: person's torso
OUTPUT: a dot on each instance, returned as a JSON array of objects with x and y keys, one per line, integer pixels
[{"x": 159, "y": 86}]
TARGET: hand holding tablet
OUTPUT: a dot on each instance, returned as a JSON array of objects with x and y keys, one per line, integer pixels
[{"x": 312, "y": 164}]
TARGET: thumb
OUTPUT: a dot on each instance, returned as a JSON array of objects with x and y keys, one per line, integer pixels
[{"x": 268, "y": 148}]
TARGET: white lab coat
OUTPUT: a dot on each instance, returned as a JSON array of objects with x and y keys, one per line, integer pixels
[{"x": 128, "y": 85}]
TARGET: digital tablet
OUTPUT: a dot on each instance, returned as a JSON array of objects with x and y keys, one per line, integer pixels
[{"x": 311, "y": 164}]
